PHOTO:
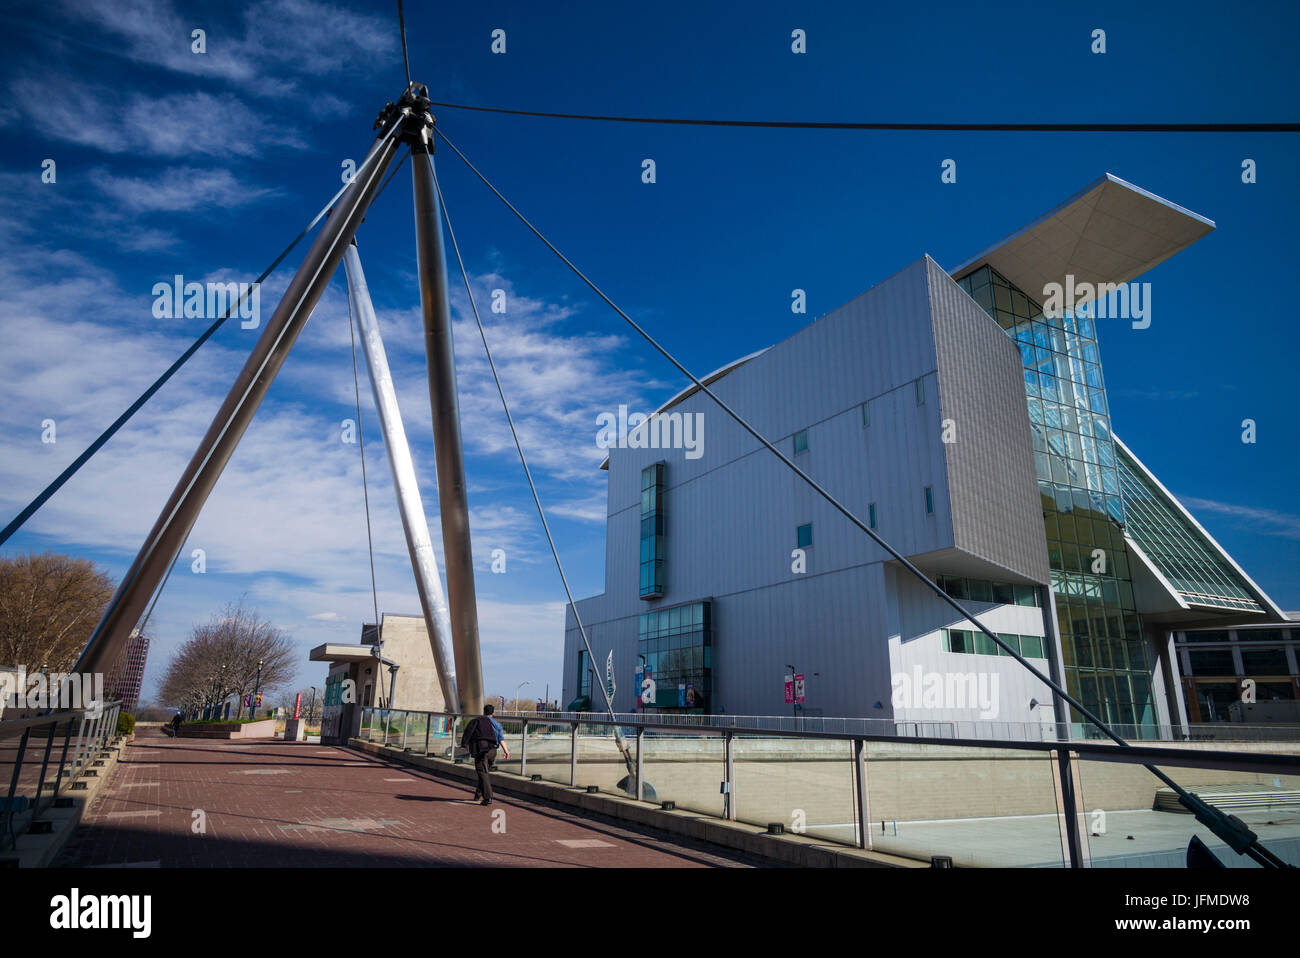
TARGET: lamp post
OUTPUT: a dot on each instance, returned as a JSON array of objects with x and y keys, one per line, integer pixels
[
  {"x": 257, "y": 687},
  {"x": 517, "y": 688}
]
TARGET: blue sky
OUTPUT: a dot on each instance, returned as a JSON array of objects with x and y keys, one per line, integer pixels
[{"x": 206, "y": 165}]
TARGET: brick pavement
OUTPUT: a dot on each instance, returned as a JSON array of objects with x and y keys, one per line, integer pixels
[{"x": 288, "y": 804}]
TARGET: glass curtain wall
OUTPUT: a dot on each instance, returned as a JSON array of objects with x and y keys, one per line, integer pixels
[{"x": 1105, "y": 659}]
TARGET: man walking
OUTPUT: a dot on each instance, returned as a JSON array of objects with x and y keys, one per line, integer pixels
[{"x": 482, "y": 737}]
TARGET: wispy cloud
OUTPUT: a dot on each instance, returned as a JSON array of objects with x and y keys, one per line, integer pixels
[
  {"x": 178, "y": 189},
  {"x": 276, "y": 39},
  {"x": 1266, "y": 522},
  {"x": 171, "y": 125}
]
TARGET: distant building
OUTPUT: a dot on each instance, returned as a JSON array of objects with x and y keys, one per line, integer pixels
[
  {"x": 125, "y": 680},
  {"x": 969, "y": 425},
  {"x": 1216, "y": 664},
  {"x": 358, "y": 679}
]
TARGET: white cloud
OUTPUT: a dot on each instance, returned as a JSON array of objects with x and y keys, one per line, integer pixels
[
  {"x": 1266, "y": 522},
  {"x": 291, "y": 36},
  {"x": 172, "y": 125},
  {"x": 286, "y": 522},
  {"x": 177, "y": 189}
]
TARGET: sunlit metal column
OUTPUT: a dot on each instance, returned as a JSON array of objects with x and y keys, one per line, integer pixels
[
  {"x": 268, "y": 355},
  {"x": 453, "y": 503},
  {"x": 424, "y": 563}
]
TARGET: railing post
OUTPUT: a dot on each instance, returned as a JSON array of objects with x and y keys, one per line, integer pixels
[
  {"x": 860, "y": 789},
  {"x": 13, "y": 782},
  {"x": 76, "y": 753},
  {"x": 406, "y": 728},
  {"x": 1070, "y": 817},
  {"x": 523, "y": 750},
  {"x": 428, "y": 728},
  {"x": 63, "y": 758},
  {"x": 729, "y": 766},
  {"x": 573, "y": 757},
  {"x": 640, "y": 761},
  {"x": 45, "y": 761}
]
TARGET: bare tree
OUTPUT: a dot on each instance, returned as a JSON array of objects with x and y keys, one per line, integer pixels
[
  {"x": 49, "y": 604},
  {"x": 222, "y": 659}
]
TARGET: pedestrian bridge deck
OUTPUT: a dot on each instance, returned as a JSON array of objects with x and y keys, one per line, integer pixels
[{"x": 194, "y": 803}]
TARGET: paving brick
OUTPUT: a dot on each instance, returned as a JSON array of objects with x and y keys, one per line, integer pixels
[{"x": 346, "y": 809}]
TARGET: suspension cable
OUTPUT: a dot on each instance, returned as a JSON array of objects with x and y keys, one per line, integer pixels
[
  {"x": 523, "y": 460},
  {"x": 158, "y": 383},
  {"x": 900, "y": 127},
  {"x": 365, "y": 490},
  {"x": 1235, "y": 833}
]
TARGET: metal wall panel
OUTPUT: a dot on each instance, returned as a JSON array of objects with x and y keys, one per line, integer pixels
[{"x": 731, "y": 515}]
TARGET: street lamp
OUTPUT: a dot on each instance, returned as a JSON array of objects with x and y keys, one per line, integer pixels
[
  {"x": 257, "y": 687},
  {"x": 517, "y": 688}
]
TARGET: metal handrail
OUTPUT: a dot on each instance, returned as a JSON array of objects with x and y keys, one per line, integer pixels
[
  {"x": 1097, "y": 750},
  {"x": 1065, "y": 756},
  {"x": 15, "y": 725},
  {"x": 94, "y": 731}
]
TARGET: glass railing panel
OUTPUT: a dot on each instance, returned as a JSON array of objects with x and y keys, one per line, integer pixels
[
  {"x": 684, "y": 766},
  {"x": 513, "y": 729},
  {"x": 1134, "y": 820},
  {"x": 548, "y": 750},
  {"x": 602, "y": 763},
  {"x": 806, "y": 784},
  {"x": 979, "y": 806}
]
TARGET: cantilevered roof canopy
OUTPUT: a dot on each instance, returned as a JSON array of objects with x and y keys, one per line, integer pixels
[
  {"x": 1109, "y": 232},
  {"x": 340, "y": 652}
]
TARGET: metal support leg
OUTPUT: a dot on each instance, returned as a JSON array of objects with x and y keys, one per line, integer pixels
[
  {"x": 573, "y": 756},
  {"x": 63, "y": 758},
  {"x": 1069, "y": 812},
  {"x": 177, "y": 518},
  {"x": 640, "y": 762},
  {"x": 860, "y": 789},
  {"x": 13, "y": 782},
  {"x": 729, "y": 764},
  {"x": 428, "y": 728},
  {"x": 523, "y": 750},
  {"x": 410, "y": 506},
  {"x": 45, "y": 761},
  {"x": 453, "y": 502}
]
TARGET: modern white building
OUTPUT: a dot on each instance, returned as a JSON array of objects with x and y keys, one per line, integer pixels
[{"x": 971, "y": 431}]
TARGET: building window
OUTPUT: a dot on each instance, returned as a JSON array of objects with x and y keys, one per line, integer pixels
[
  {"x": 584, "y": 675},
  {"x": 920, "y": 392},
  {"x": 871, "y": 515},
  {"x": 866, "y": 414},
  {"x": 971, "y": 642},
  {"x": 804, "y": 535},
  {"x": 801, "y": 441},
  {"x": 675, "y": 651},
  {"x": 929, "y": 500},
  {"x": 652, "y": 531},
  {"x": 1265, "y": 662},
  {"x": 1212, "y": 663}
]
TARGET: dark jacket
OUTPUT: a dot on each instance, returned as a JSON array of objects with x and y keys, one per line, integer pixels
[{"x": 480, "y": 736}]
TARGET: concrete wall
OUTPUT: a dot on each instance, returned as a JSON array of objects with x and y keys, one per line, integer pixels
[{"x": 406, "y": 641}]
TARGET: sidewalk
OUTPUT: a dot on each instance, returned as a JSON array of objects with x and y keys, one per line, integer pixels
[{"x": 191, "y": 803}]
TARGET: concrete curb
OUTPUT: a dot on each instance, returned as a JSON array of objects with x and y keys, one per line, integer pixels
[{"x": 788, "y": 849}]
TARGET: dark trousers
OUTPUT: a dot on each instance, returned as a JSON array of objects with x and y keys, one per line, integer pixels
[{"x": 484, "y": 762}]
